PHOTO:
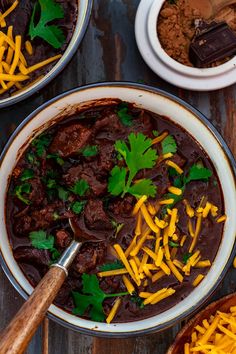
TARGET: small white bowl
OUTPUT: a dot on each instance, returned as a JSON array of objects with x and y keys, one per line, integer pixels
[
  {"x": 160, "y": 103},
  {"x": 202, "y": 79}
]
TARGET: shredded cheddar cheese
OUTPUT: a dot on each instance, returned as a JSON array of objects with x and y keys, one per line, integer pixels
[
  {"x": 148, "y": 219},
  {"x": 29, "y": 48},
  {"x": 160, "y": 138},
  {"x": 166, "y": 201},
  {"x": 124, "y": 260},
  {"x": 175, "y": 190},
  {"x": 198, "y": 279},
  {"x": 221, "y": 219},
  {"x": 114, "y": 310},
  {"x": 139, "y": 204},
  {"x": 175, "y": 166},
  {"x": 8, "y": 11},
  {"x": 111, "y": 273}
]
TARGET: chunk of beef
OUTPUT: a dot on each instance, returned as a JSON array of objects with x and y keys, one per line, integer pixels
[
  {"x": 32, "y": 255},
  {"x": 89, "y": 257},
  {"x": 40, "y": 219},
  {"x": 162, "y": 180},
  {"x": 110, "y": 123},
  {"x": 87, "y": 173},
  {"x": 95, "y": 216},
  {"x": 37, "y": 194},
  {"x": 106, "y": 158},
  {"x": 123, "y": 206},
  {"x": 69, "y": 140},
  {"x": 179, "y": 160},
  {"x": 20, "y": 17},
  {"x": 144, "y": 124},
  {"x": 63, "y": 238}
]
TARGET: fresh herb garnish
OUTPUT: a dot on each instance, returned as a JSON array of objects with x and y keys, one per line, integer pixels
[
  {"x": 111, "y": 266},
  {"x": 139, "y": 155},
  {"x": 51, "y": 183},
  {"x": 41, "y": 143},
  {"x": 173, "y": 244},
  {"x": 125, "y": 118},
  {"x": 26, "y": 174},
  {"x": 118, "y": 227},
  {"x": 63, "y": 194},
  {"x": 55, "y": 216},
  {"x": 42, "y": 241},
  {"x": 80, "y": 187},
  {"x": 198, "y": 172},
  {"x": 32, "y": 158},
  {"x": 24, "y": 188},
  {"x": 90, "y": 150},
  {"x": 47, "y": 11},
  {"x": 77, "y": 207},
  {"x": 155, "y": 133},
  {"x": 186, "y": 256},
  {"x": 57, "y": 158},
  {"x": 91, "y": 299},
  {"x": 137, "y": 300},
  {"x": 169, "y": 145}
]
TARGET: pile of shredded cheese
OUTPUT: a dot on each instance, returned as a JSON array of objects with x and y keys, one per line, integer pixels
[
  {"x": 14, "y": 69},
  {"x": 143, "y": 263},
  {"x": 216, "y": 335}
]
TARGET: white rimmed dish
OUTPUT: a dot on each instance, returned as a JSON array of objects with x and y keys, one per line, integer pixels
[
  {"x": 200, "y": 79},
  {"x": 158, "y": 102},
  {"x": 84, "y": 11}
]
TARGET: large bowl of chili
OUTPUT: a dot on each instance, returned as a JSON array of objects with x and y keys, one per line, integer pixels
[{"x": 123, "y": 115}]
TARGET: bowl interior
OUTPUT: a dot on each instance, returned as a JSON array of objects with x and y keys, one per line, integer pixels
[
  {"x": 84, "y": 8},
  {"x": 175, "y": 65},
  {"x": 157, "y": 102}
]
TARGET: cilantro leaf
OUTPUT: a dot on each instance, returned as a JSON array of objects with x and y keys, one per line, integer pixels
[
  {"x": 169, "y": 145},
  {"x": 117, "y": 180},
  {"x": 62, "y": 193},
  {"x": 155, "y": 133},
  {"x": 91, "y": 299},
  {"x": 125, "y": 118},
  {"x": 111, "y": 266},
  {"x": 186, "y": 256},
  {"x": 41, "y": 143},
  {"x": 24, "y": 188},
  {"x": 143, "y": 187},
  {"x": 137, "y": 300},
  {"x": 26, "y": 174},
  {"x": 77, "y": 207},
  {"x": 118, "y": 227},
  {"x": 173, "y": 244},
  {"x": 80, "y": 187},
  {"x": 139, "y": 155},
  {"x": 198, "y": 172},
  {"x": 47, "y": 11},
  {"x": 90, "y": 150},
  {"x": 57, "y": 158},
  {"x": 41, "y": 240}
]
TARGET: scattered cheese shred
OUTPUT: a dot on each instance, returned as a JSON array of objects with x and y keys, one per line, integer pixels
[
  {"x": 160, "y": 138},
  {"x": 221, "y": 219},
  {"x": 163, "y": 296},
  {"x": 182, "y": 241},
  {"x": 124, "y": 260},
  {"x": 16, "y": 56},
  {"x": 139, "y": 244},
  {"x": 139, "y": 204},
  {"x": 29, "y": 48},
  {"x": 175, "y": 271},
  {"x": 152, "y": 297},
  {"x": 206, "y": 210},
  {"x": 173, "y": 219},
  {"x": 203, "y": 264},
  {"x": 198, "y": 279},
  {"x": 113, "y": 311},
  {"x": 148, "y": 219},
  {"x": 166, "y": 201},
  {"x": 188, "y": 208},
  {"x": 160, "y": 223},
  {"x": 43, "y": 63},
  {"x": 129, "y": 286},
  {"x": 175, "y": 190},
  {"x": 158, "y": 276},
  {"x": 175, "y": 166},
  {"x": 234, "y": 262},
  {"x": 9, "y": 10},
  {"x": 111, "y": 273}
]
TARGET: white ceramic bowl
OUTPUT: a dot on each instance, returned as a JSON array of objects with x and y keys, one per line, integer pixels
[
  {"x": 202, "y": 79},
  {"x": 158, "y": 102},
  {"x": 84, "y": 11}
]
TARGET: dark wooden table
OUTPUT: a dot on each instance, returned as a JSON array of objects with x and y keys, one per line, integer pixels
[{"x": 109, "y": 53}]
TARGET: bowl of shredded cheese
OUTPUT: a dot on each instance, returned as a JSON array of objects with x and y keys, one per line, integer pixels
[
  {"x": 37, "y": 40},
  {"x": 213, "y": 330}
]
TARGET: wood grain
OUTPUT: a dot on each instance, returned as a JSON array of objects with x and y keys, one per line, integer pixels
[
  {"x": 16, "y": 336},
  {"x": 98, "y": 59}
]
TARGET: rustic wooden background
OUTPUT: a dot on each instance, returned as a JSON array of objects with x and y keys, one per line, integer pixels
[{"x": 109, "y": 53}]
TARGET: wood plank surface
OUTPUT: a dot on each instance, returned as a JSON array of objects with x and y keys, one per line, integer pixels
[{"x": 109, "y": 53}]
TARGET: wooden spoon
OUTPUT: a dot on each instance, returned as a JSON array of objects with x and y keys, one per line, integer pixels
[
  {"x": 185, "y": 334},
  {"x": 15, "y": 338},
  {"x": 209, "y": 8}
]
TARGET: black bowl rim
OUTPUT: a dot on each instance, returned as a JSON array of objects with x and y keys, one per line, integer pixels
[
  {"x": 40, "y": 85},
  {"x": 231, "y": 162}
]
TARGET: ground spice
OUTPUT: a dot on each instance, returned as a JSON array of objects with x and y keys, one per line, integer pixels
[{"x": 176, "y": 28}]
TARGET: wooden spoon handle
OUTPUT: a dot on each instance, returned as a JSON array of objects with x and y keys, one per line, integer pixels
[{"x": 16, "y": 337}]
